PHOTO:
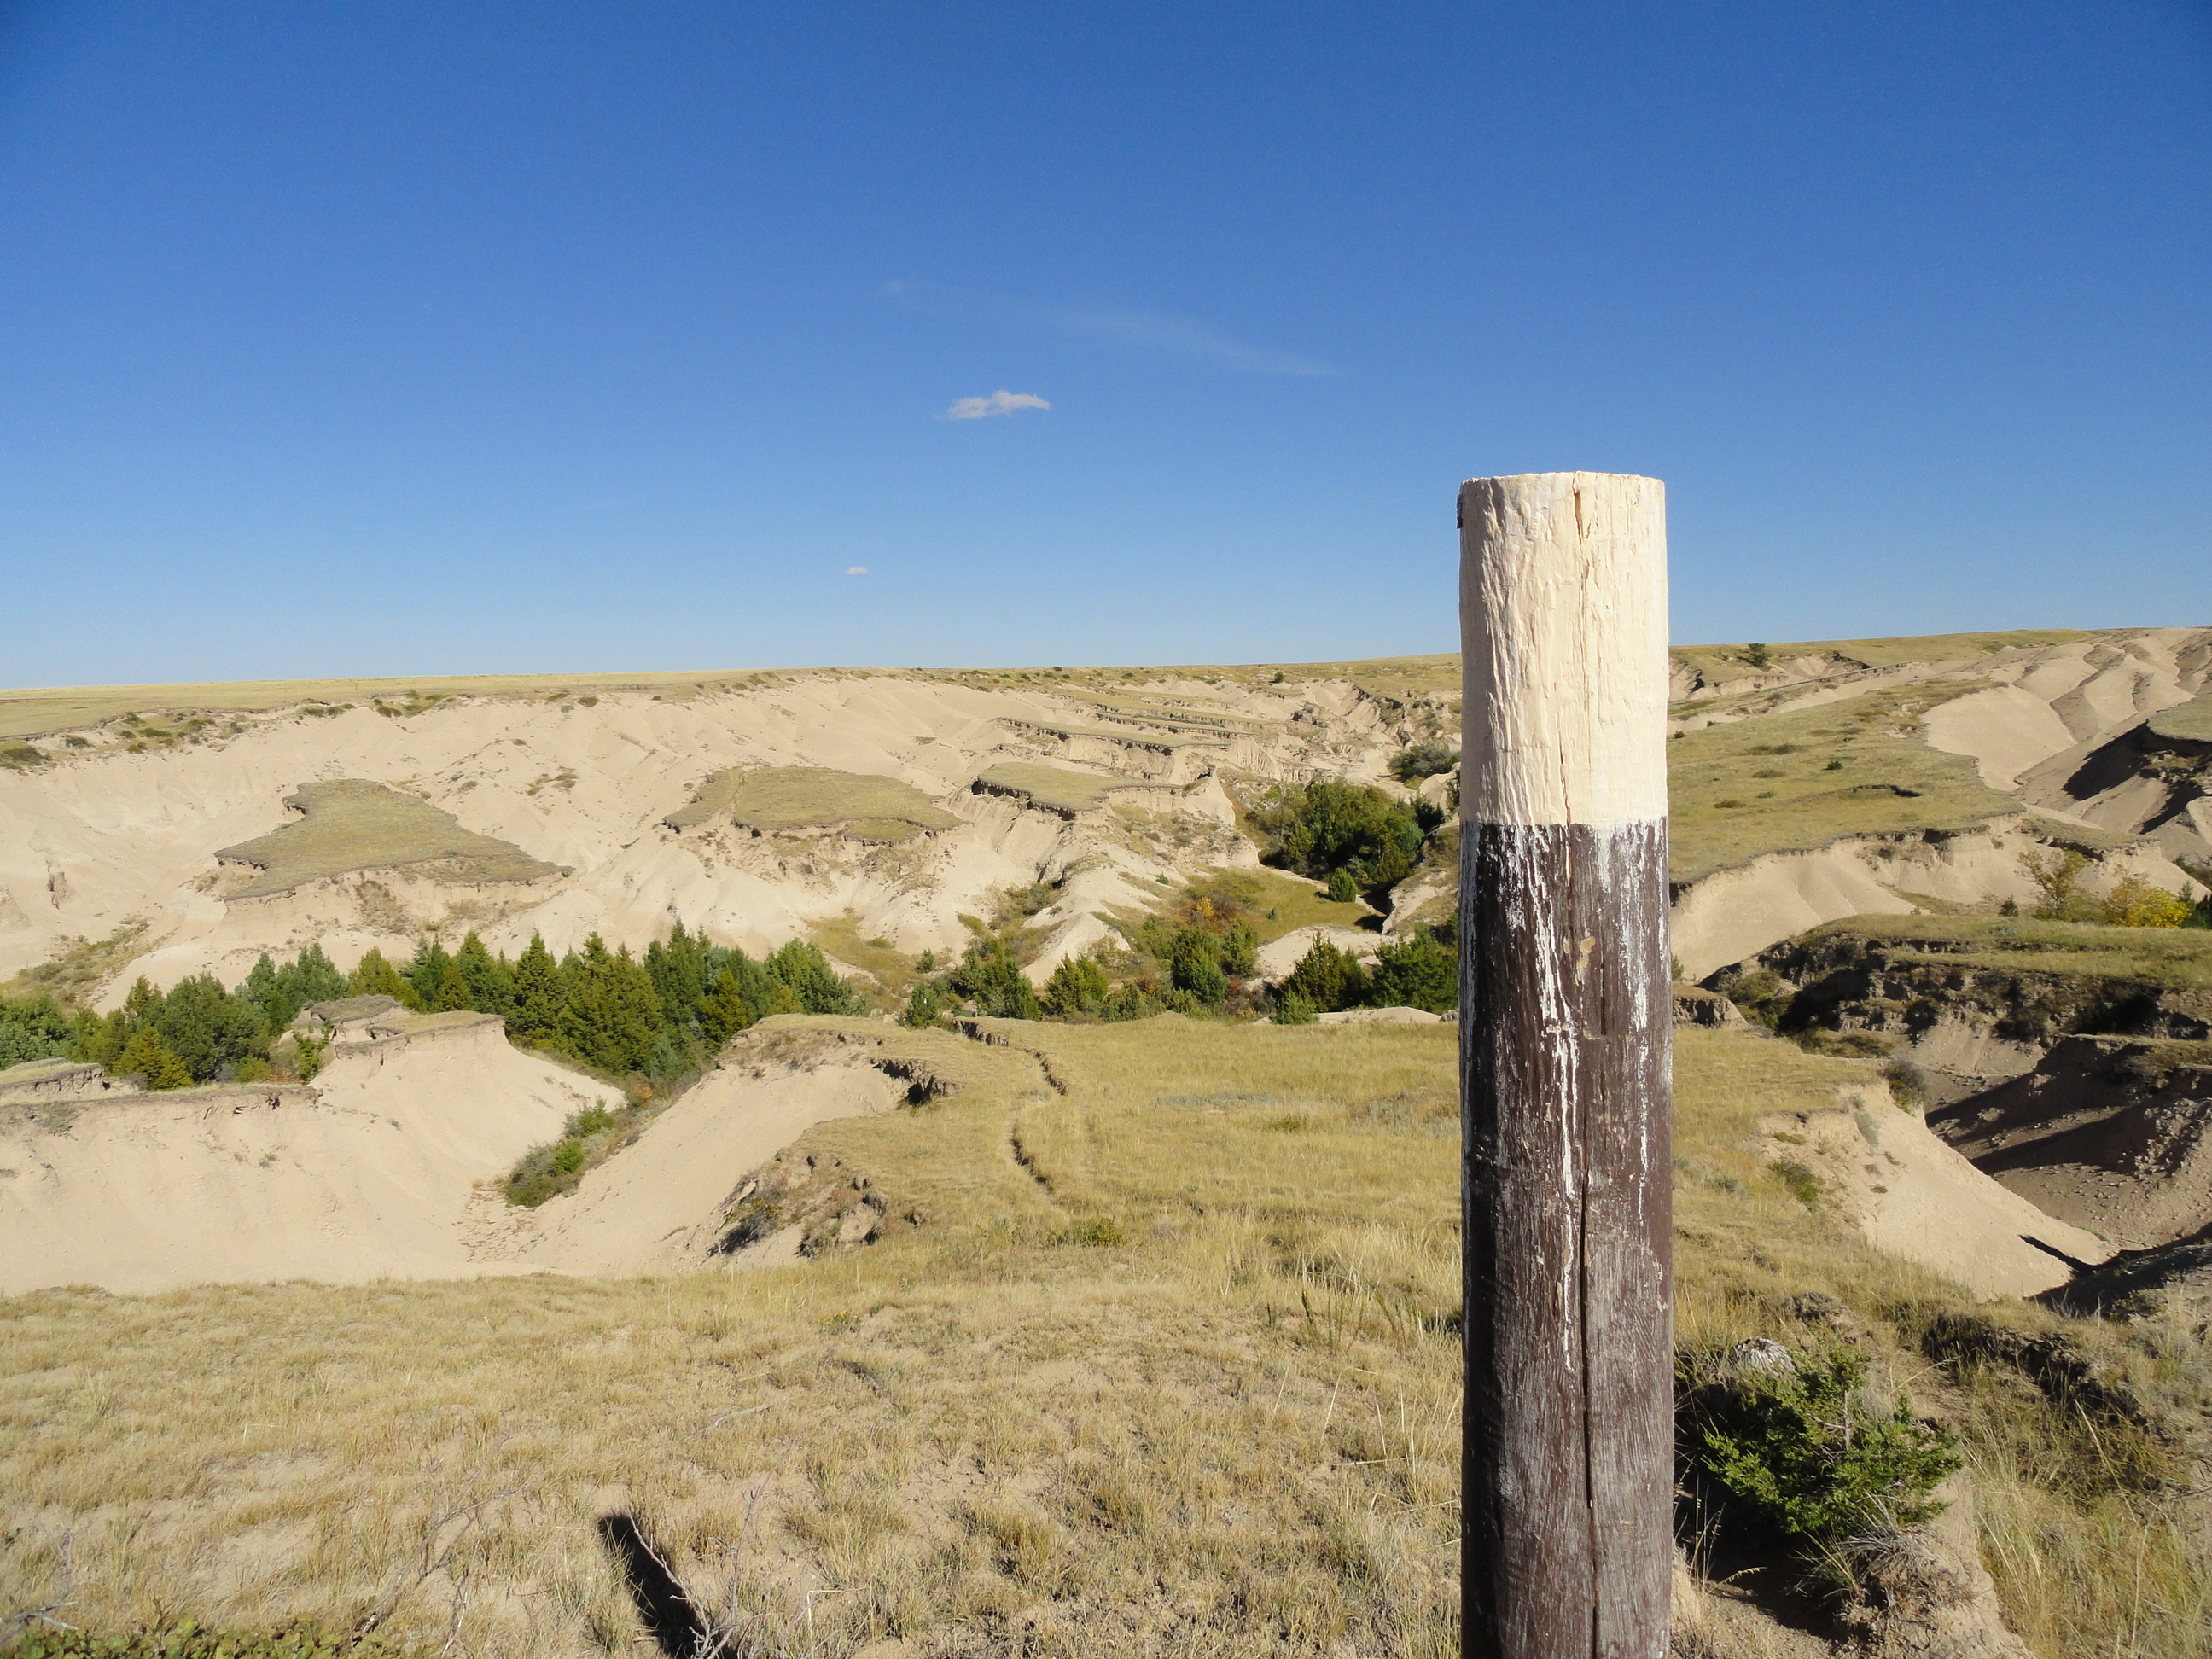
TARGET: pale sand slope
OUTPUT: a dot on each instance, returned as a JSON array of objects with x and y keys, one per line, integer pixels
[
  {"x": 1735, "y": 913},
  {"x": 2059, "y": 698},
  {"x": 656, "y": 1205},
  {"x": 101, "y": 836},
  {"x": 156, "y": 1191},
  {"x": 1913, "y": 1196}
]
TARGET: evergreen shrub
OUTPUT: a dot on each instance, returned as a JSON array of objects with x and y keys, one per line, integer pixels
[{"x": 1802, "y": 1450}]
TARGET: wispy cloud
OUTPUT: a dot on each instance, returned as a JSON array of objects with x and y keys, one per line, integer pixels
[
  {"x": 1190, "y": 339},
  {"x": 1184, "y": 336},
  {"x": 998, "y": 402},
  {"x": 856, "y": 570}
]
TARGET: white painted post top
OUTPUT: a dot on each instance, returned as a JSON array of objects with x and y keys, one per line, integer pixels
[{"x": 1563, "y": 606}]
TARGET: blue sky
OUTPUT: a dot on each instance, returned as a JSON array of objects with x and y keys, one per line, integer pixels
[{"x": 434, "y": 336}]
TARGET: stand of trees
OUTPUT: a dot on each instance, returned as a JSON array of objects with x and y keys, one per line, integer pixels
[
  {"x": 659, "y": 1018},
  {"x": 33, "y": 1028}
]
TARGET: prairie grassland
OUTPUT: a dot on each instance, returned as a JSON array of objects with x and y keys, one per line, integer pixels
[
  {"x": 2191, "y": 722},
  {"x": 1170, "y": 1367},
  {"x": 1001, "y": 1429},
  {"x": 36, "y": 711},
  {"x": 2091, "y": 1518},
  {"x": 1296, "y": 900},
  {"x": 1804, "y": 778},
  {"x": 1723, "y": 662},
  {"x": 893, "y": 969},
  {"x": 1053, "y": 786}
]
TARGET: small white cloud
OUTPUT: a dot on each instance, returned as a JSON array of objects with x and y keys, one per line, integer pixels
[
  {"x": 856, "y": 570},
  {"x": 998, "y": 402}
]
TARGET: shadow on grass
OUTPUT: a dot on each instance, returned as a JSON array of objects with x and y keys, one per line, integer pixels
[{"x": 678, "y": 1626}]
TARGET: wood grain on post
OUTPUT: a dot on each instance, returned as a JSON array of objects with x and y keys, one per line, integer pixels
[{"x": 1565, "y": 1040}]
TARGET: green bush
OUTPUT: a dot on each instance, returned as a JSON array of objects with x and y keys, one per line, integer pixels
[
  {"x": 1326, "y": 979},
  {"x": 990, "y": 977},
  {"x": 1761, "y": 996},
  {"x": 149, "y": 1058},
  {"x": 1804, "y": 1186},
  {"x": 1805, "y": 1453},
  {"x": 33, "y": 1028},
  {"x": 1319, "y": 828},
  {"x": 808, "y": 974},
  {"x": 1342, "y": 889},
  {"x": 662, "y": 1018},
  {"x": 1098, "y": 1233},
  {"x": 1194, "y": 965},
  {"x": 1907, "y": 1087},
  {"x": 1415, "y": 972},
  {"x": 534, "y": 1179},
  {"x": 594, "y": 1120},
  {"x": 1077, "y": 985},
  {"x": 1422, "y": 760},
  {"x": 1294, "y": 1010},
  {"x": 923, "y": 1006}
]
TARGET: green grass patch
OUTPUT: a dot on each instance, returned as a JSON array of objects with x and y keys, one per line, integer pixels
[
  {"x": 841, "y": 940},
  {"x": 771, "y": 798},
  {"x": 74, "y": 974},
  {"x": 2190, "y": 722},
  {"x": 353, "y": 824},
  {"x": 1054, "y": 787},
  {"x": 1272, "y": 903}
]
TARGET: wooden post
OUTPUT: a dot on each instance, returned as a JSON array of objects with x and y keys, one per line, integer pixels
[{"x": 1565, "y": 1040}]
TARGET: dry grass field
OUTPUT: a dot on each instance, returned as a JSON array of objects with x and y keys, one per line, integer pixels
[
  {"x": 2190, "y": 723},
  {"x": 1720, "y": 663},
  {"x": 1169, "y": 1365},
  {"x": 1805, "y": 778},
  {"x": 31, "y": 712}
]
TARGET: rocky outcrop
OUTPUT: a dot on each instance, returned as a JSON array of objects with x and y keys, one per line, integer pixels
[
  {"x": 1958, "y": 996},
  {"x": 1695, "y": 1005}
]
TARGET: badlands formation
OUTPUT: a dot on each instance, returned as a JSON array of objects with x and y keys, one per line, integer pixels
[
  {"x": 193, "y": 829},
  {"x": 1058, "y": 1277},
  {"x": 219, "y": 822}
]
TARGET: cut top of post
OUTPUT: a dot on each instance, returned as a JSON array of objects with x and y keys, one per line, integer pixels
[{"x": 1562, "y": 608}]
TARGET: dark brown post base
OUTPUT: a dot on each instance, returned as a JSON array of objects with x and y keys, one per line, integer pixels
[{"x": 1565, "y": 1036}]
